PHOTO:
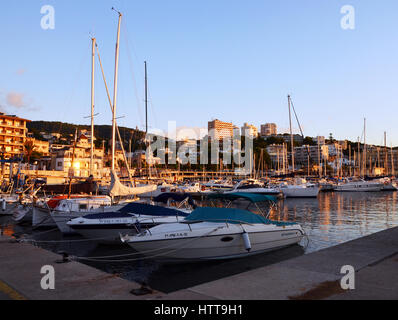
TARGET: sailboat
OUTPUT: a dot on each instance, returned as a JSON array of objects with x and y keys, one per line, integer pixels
[{"x": 298, "y": 188}]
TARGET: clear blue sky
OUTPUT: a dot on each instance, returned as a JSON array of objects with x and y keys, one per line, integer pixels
[{"x": 227, "y": 59}]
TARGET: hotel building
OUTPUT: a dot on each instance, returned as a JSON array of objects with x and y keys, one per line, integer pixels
[{"x": 12, "y": 136}]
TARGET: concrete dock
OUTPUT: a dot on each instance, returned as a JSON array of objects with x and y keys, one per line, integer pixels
[{"x": 312, "y": 276}]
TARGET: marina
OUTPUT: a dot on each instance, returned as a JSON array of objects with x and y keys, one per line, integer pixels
[
  {"x": 120, "y": 182},
  {"x": 330, "y": 220}
]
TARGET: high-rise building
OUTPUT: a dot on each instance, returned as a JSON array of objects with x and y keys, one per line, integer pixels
[
  {"x": 12, "y": 135},
  {"x": 219, "y": 130},
  {"x": 268, "y": 129},
  {"x": 250, "y": 130}
]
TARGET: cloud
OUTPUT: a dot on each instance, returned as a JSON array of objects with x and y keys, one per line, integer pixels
[
  {"x": 15, "y": 99},
  {"x": 21, "y": 71}
]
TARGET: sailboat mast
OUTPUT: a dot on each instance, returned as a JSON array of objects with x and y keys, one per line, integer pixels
[
  {"x": 385, "y": 154},
  {"x": 92, "y": 106},
  {"x": 364, "y": 150},
  {"x": 291, "y": 133},
  {"x": 146, "y": 99},
  {"x": 115, "y": 93}
]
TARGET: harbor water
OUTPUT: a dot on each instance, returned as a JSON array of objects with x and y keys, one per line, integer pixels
[{"x": 330, "y": 219}]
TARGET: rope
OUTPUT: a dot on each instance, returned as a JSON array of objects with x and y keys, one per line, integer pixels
[
  {"x": 100, "y": 259},
  {"x": 64, "y": 241}
]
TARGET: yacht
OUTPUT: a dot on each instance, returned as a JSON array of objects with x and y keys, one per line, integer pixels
[
  {"x": 130, "y": 219},
  {"x": 359, "y": 186},
  {"x": 211, "y": 233},
  {"x": 300, "y": 188},
  {"x": 254, "y": 186}
]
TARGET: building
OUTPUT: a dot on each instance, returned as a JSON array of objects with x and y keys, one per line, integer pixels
[
  {"x": 42, "y": 147},
  {"x": 13, "y": 133},
  {"x": 61, "y": 158},
  {"x": 219, "y": 130},
  {"x": 268, "y": 129},
  {"x": 250, "y": 130}
]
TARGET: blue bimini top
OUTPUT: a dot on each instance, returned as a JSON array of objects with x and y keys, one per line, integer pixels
[
  {"x": 230, "y": 215},
  {"x": 151, "y": 210}
]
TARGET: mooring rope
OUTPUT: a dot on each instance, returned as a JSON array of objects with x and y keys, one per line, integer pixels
[{"x": 100, "y": 259}]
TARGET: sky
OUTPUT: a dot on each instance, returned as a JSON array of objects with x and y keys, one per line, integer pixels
[{"x": 231, "y": 60}]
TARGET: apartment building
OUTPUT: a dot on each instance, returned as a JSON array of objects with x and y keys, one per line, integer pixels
[
  {"x": 250, "y": 130},
  {"x": 219, "y": 130},
  {"x": 268, "y": 129},
  {"x": 12, "y": 135}
]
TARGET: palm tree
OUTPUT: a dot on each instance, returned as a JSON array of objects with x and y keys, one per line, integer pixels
[{"x": 29, "y": 148}]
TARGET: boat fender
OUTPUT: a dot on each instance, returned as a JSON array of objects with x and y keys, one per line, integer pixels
[
  {"x": 246, "y": 239},
  {"x": 3, "y": 205}
]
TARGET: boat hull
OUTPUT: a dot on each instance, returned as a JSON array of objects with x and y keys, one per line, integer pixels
[
  {"x": 41, "y": 218},
  {"x": 300, "y": 192},
  {"x": 359, "y": 188},
  {"x": 216, "y": 247}
]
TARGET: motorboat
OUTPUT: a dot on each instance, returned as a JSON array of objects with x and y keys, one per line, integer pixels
[
  {"x": 131, "y": 219},
  {"x": 219, "y": 185},
  {"x": 60, "y": 209},
  {"x": 8, "y": 202},
  {"x": 254, "y": 186},
  {"x": 211, "y": 233},
  {"x": 160, "y": 189},
  {"x": 300, "y": 188},
  {"x": 388, "y": 184},
  {"x": 359, "y": 186}
]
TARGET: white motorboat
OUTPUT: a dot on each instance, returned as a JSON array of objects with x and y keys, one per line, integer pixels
[
  {"x": 359, "y": 186},
  {"x": 216, "y": 233},
  {"x": 8, "y": 202},
  {"x": 299, "y": 189},
  {"x": 254, "y": 186},
  {"x": 160, "y": 189},
  {"x": 218, "y": 185},
  {"x": 388, "y": 184},
  {"x": 131, "y": 219},
  {"x": 23, "y": 213}
]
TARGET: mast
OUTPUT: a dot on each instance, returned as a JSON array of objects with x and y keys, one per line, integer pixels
[
  {"x": 385, "y": 154},
  {"x": 146, "y": 99},
  {"x": 364, "y": 150},
  {"x": 115, "y": 92},
  {"x": 291, "y": 133},
  {"x": 92, "y": 106}
]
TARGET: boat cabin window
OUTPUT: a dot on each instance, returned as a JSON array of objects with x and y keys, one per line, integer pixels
[{"x": 83, "y": 206}]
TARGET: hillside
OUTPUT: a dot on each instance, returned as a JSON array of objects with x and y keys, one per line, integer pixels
[{"x": 101, "y": 132}]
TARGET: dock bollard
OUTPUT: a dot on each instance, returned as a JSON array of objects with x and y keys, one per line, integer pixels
[{"x": 65, "y": 257}]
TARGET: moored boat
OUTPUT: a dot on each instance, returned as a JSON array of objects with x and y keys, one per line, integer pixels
[{"x": 216, "y": 233}]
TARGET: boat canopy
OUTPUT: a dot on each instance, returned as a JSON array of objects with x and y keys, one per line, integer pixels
[
  {"x": 253, "y": 197},
  {"x": 150, "y": 210},
  {"x": 176, "y": 196},
  {"x": 233, "y": 216}
]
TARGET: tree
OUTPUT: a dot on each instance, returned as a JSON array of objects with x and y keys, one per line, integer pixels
[{"x": 29, "y": 148}]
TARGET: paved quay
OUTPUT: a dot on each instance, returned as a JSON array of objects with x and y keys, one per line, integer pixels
[
  {"x": 312, "y": 276},
  {"x": 20, "y": 277},
  {"x": 315, "y": 276}
]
